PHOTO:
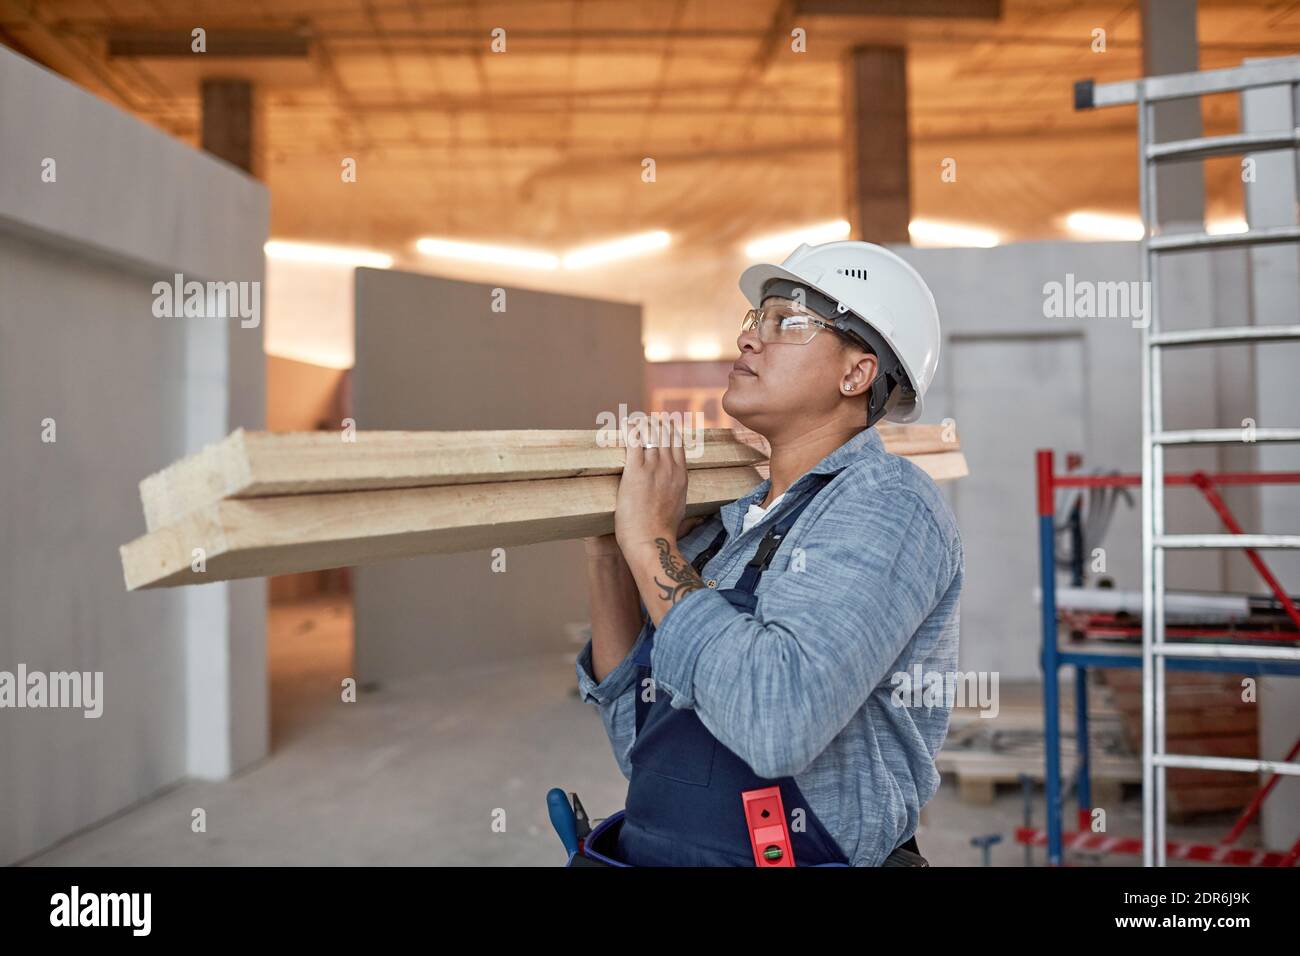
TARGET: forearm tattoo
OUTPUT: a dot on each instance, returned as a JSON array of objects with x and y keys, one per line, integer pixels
[{"x": 682, "y": 578}]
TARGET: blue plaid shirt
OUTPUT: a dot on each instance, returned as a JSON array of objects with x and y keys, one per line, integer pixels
[{"x": 865, "y": 586}]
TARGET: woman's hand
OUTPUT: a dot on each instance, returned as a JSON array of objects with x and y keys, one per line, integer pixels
[{"x": 652, "y": 492}]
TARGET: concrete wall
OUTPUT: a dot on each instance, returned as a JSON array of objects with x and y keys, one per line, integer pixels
[
  {"x": 183, "y": 671},
  {"x": 431, "y": 353},
  {"x": 1016, "y": 380}
]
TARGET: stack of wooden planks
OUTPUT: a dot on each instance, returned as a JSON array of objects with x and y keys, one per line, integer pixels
[
  {"x": 1204, "y": 715},
  {"x": 258, "y": 503}
]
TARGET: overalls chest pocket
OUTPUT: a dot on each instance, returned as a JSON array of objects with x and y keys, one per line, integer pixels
[{"x": 673, "y": 742}]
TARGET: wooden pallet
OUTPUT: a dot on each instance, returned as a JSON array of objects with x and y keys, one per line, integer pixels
[
  {"x": 1204, "y": 715},
  {"x": 983, "y": 758}
]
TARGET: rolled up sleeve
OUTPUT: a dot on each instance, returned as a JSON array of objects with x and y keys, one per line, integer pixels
[
  {"x": 776, "y": 686},
  {"x": 614, "y": 697},
  {"x": 616, "y": 683}
]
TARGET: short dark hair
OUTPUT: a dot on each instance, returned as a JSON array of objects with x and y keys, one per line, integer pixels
[{"x": 847, "y": 339}]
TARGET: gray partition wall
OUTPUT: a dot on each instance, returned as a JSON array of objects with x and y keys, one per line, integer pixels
[
  {"x": 96, "y": 391},
  {"x": 431, "y": 353}
]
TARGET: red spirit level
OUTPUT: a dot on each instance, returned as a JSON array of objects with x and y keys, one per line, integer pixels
[{"x": 768, "y": 834}]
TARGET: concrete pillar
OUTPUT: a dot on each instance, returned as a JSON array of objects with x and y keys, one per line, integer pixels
[
  {"x": 1275, "y": 290},
  {"x": 877, "y": 153},
  {"x": 1169, "y": 45},
  {"x": 1187, "y": 292},
  {"x": 229, "y": 122}
]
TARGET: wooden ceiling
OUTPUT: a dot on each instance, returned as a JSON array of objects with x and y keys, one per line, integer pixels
[{"x": 542, "y": 145}]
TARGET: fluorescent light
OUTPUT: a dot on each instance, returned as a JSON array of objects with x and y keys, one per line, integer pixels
[
  {"x": 1226, "y": 227},
  {"x": 702, "y": 350},
  {"x": 617, "y": 249},
  {"x": 658, "y": 350},
  {"x": 328, "y": 255},
  {"x": 478, "y": 252},
  {"x": 1105, "y": 226},
  {"x": 785, "y": 242},
  {"x": 934, "y": 234},
  {"x": 530, "y": 259}
]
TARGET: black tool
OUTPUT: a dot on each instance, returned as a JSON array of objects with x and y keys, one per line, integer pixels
[{"x": 580, "y": 817}]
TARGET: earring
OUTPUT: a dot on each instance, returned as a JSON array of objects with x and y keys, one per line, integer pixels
[{"x": 848, "y": 387}]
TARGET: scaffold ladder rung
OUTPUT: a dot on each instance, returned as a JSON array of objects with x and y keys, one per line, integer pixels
[
  {"x": 1242, "y": 652},
  {"x": 1205, "y": 147},
  {"x": 1237, "y": 335},
  {"x": 1232, "y": 764},
  {"x": 1190, "y": 241},
  {"x": 1225, "y": 436},
  {"x": 1186, "y": 541}
]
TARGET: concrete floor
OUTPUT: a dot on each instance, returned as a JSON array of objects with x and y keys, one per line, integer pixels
[{"x": 416, "y": 771}]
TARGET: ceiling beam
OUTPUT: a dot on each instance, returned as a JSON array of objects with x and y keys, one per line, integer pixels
[
  {"x": 279, "y": 44},
  {"x": 75, "y": 60},
  {"x": 960, "y": 9}
]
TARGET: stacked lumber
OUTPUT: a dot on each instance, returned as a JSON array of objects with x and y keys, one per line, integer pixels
[
  {"x": 257, "y": 504},
  {"x": 1204, "y": 715}
]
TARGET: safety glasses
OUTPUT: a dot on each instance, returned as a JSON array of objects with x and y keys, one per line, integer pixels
[{"x": 784, "y": 324}]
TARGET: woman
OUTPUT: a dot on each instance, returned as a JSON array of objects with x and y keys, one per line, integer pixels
[{"x": 758, "y": 650}]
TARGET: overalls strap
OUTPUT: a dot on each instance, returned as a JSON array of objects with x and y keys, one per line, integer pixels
[
  {"x": 742, "y": 595},
  {"x": 775, "y": 535},
  {"x": 704, "y": 557},
  {"x": 685, "y": 798}
]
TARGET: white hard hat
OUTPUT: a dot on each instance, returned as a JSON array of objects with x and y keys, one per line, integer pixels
[{"x": 866, "y": 283}]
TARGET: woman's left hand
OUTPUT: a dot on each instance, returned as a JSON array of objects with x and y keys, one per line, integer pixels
[{"x": 651, "y": 499}]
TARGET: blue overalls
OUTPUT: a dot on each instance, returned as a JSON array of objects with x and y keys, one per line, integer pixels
[{"x": 684, "y": 803}]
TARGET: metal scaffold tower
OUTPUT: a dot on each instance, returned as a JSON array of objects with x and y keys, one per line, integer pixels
[{"x": 1157, "y": 650}]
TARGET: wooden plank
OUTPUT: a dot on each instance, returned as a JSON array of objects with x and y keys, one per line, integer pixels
[
  {"x": 976, "y": 790},
  {"x": 1211, "y": 721},
  {"x": 910, "y": 440},
  {"x": 1129, "y": 679},
  {"x": 1007, "y": 768},
  {"x": 1187, "y": 777},
  {"x": 253, "y": 537},
  {"x": 1000, "y": 749},
  {"x": 1187, "y": 699},
  {"x": 906, "y": 440},
  {"x": 946, "y": 467},
  {"x": 1190, "y": 800},
  {"x": 263, "y": 464}
]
